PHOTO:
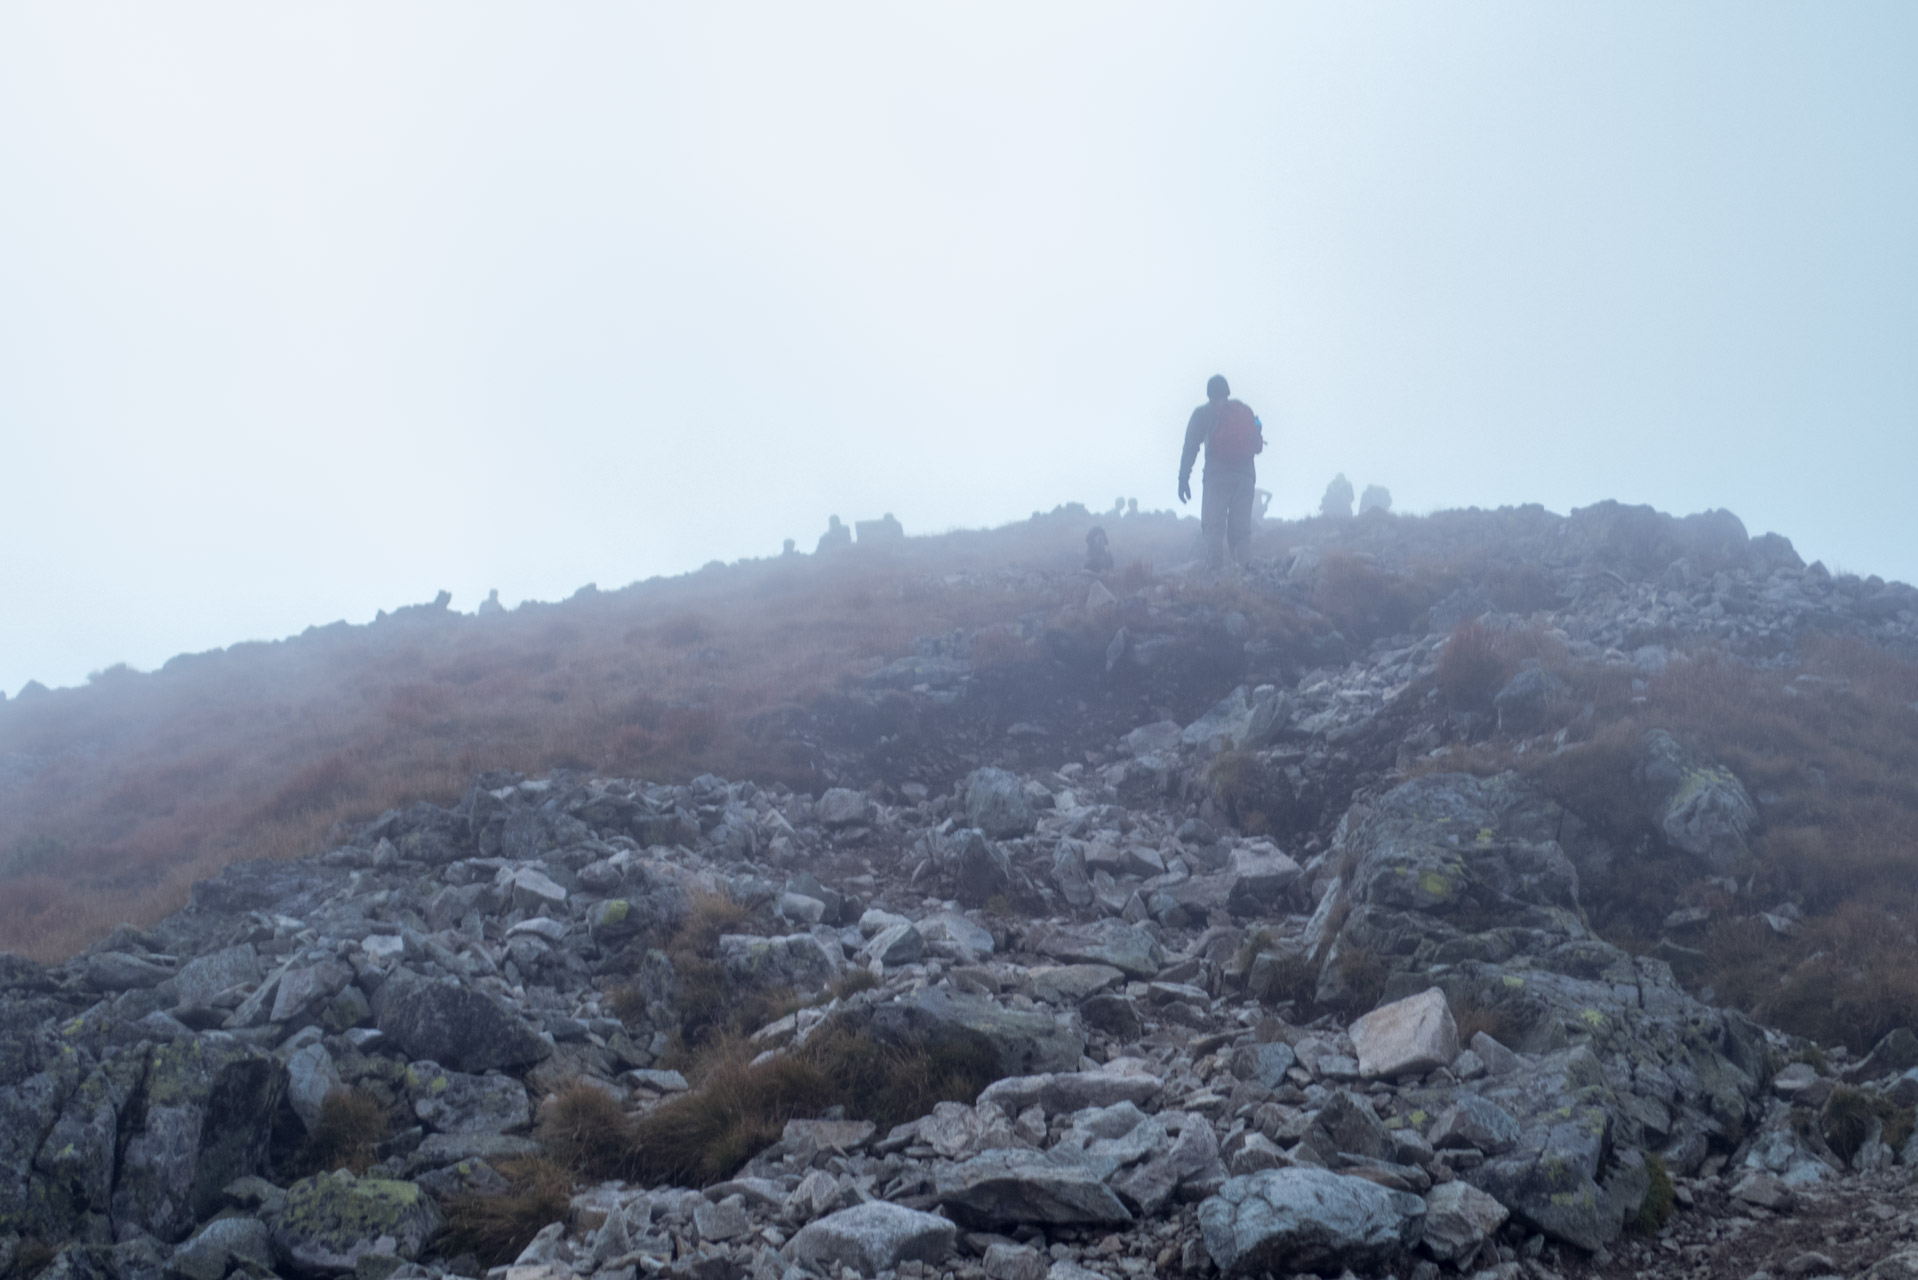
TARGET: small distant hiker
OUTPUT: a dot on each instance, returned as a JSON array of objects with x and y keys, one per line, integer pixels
[{"x": 1232, "y": 436}]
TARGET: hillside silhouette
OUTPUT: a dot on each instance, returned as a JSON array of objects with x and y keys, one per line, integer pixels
[{"x": 1488, "y": 890}]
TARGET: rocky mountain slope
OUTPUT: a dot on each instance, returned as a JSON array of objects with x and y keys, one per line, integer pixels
[{"x": 1415, "y": 954}]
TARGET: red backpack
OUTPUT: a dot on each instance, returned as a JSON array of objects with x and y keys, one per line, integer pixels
[{"x": 1235, "y": 436}]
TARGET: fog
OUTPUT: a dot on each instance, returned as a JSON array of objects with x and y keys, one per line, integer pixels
[{"x": 308, "y": 313}]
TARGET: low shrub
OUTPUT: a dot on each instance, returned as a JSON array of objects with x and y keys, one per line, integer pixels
[
  {"x": 737, "y": 1109},
  {"x": 497, "y": 1227},
  {"x": 1505, "y": 1021},
  {"x": 854, "y": 981},
  {"x": 891, "y": 1083},
  {"x": 351, "y": 1127},
  {"x": 585, "y": 1129},
  {"x": 1367, "y": 602},
  {"x": 1656, "y": 1209},
  {"x": 1848, "y": 1116},
  {"x": 1362, "y": 975},
  {"x": 1471, "y": 670}
]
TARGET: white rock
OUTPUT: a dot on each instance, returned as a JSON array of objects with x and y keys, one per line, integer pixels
[
  {"x": 872, "y": 1237},
  {"x": 1407, "y": 1036}
]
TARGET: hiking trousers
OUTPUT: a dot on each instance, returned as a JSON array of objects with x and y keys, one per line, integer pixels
[{"x": 1225, "y": 513}]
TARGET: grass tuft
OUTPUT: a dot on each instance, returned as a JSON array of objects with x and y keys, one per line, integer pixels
[
  {"x": 352, "y": 1125},
  {"x": 585, "y": 1129},
  {"x": 1660, "y": 1199},
  {"x": 497, "y": 1227}
]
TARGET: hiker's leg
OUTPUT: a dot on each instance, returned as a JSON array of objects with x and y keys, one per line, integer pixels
[
  {"x": 1213, "y": 504},
  {"x": 1238, "y": 524}
]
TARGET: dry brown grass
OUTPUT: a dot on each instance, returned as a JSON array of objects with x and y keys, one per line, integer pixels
[
  {"x": 497, "y": 1227},
  {"x": 352, "y": 1126},
  {"x": 1366, "y": 601},
  {"x": 1472, "y": 669},
  {"x": 139, "y": 785},
  {"x": 738, "y": 1108},
  {"x": 585, "y": 1129}
]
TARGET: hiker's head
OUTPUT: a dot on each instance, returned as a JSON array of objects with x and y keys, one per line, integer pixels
[{"x": 1216, "y": 388}]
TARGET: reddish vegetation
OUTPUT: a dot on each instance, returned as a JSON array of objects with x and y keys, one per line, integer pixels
[
  {"x": 1830, "y": 750},
  {"x": 116, "y": 796}
]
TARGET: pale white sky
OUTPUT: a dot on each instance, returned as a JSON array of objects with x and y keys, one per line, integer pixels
[{"x": 307, "y": 311}]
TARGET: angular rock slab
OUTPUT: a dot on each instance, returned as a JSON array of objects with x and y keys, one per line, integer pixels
[
  {"x": 1125, "y": 947},
  {"x": 1458, "y": 1219},
  {"x": 872, "y": 1237},
  {"x": 1406, "y": 1037},
  {"x": 1067, "y": 1091},
  {"x": 1010, "y": 1185},
  {"x": 207, "y": 1119},
  {"x": 1022, "y": 1043},
  {"x": 1305, "y": 1219},
  {"x": 331, "y": 1221},
  {"x": 454, "y": 1025}
]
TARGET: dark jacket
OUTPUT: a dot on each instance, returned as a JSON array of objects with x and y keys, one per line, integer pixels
[{"x": 1198, "y": 431}]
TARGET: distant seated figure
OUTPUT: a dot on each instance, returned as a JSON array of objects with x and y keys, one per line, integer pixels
[
  {"x": 790, "y": 549},
  {"x": 1118, "y": 507},
  {"x": 1337, "y": 501},
  {"x": 1132, "y": 506},
  {"x": 1375, "y": 498},
  {"x": 1098, "y": 553},
  {"x": 491, "y": 604},
  {"x": 836, "y": 537},
  {"x": 884, "y": 529}
]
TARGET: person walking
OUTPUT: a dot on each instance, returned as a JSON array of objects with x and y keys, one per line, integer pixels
[{"x": 1232, "y": 436}]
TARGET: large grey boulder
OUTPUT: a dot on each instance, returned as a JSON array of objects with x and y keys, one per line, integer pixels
[
  {"x": 1010, "y": 1185},
  {"x": 996, "y": 803},
  {"x": 1021, "y": 1043},
  {"x": 1701, "y": 808},
  {"x": 1259, "y": 875},
  {"x": 453, "y": 1024},
  {"x": 1470, "y": 885},
  {"x": 980, "y": 869},
  {"x": 1244, "y": 719},
  {"x": 1551, "y": 1176},
  {"x": 205, "y": 977},
  {"x": 331, "y": 1221},
  {"x": 1126, "y": 947},
  {"x": 1303, "y": 1219},
  {"x": 872, "y": 1237},
  {"x": 1189, "y": 1163},
  {"x": 205, "y": 1118}
]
